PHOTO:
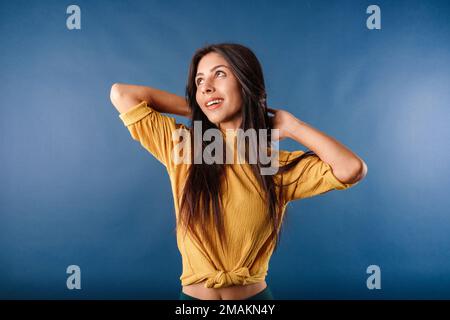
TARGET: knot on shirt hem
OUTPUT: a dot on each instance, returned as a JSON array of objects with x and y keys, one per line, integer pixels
[{"x": 225, "y": 278}]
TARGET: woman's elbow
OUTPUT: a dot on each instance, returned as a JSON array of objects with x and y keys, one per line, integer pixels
[
  {"x": 122, "y": 100},
  {"x": 115, "y": 93},
  {"x": 361, "y": 172},
  {"x": 355, "y": 175}
]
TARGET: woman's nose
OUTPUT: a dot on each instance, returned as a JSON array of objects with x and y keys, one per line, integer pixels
[{"x": 207, "y": 87}]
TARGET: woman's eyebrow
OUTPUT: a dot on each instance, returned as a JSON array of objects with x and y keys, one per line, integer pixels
[{"x": 220, "y": 65}]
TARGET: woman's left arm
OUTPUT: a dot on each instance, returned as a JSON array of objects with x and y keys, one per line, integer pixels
[{"x": 347, "y": 166}]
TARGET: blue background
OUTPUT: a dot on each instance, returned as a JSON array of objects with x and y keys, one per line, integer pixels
[{"x": 76, "y": 189}]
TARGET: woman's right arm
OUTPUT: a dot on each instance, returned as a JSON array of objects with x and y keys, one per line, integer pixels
[{"x": 126, "y": 96}]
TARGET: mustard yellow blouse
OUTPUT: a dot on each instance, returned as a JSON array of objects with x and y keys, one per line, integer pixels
[{"x": 240, "y": 261}]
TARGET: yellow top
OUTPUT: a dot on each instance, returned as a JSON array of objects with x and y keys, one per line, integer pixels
[{"x": 240, "y": 262}]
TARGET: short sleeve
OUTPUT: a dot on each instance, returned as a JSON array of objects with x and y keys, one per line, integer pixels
[
  {"x": 309, "y": 177},
  {"x": 153, "y": 130}
]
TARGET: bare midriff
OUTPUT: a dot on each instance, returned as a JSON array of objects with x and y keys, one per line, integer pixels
[{"x": 240, "y": 292}]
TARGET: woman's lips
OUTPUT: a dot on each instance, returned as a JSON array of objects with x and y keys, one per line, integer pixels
[{"x": 215, "y": 106}]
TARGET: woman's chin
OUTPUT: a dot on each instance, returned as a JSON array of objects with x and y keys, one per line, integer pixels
[{"x": 215, "y": 120}]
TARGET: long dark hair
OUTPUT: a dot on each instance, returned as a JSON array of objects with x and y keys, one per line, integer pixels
[{"x": 201, "y": 205}]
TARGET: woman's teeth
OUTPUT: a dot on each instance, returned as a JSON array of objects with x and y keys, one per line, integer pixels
[{"x": 213, "y": 102}]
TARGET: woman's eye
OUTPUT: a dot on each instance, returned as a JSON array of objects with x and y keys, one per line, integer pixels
[{"x": 199, "y": 79}]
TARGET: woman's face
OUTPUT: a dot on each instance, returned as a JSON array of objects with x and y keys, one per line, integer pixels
[{"x": 215, "y": 79}]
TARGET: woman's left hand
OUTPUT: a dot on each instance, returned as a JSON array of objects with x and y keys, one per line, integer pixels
[{"x": 282, "y": 120}]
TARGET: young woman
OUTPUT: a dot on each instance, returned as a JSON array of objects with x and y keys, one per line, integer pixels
[{"x": 229, "y": 214}]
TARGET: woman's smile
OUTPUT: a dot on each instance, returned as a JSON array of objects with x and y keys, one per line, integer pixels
[{"x": 214, "y": 106}]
